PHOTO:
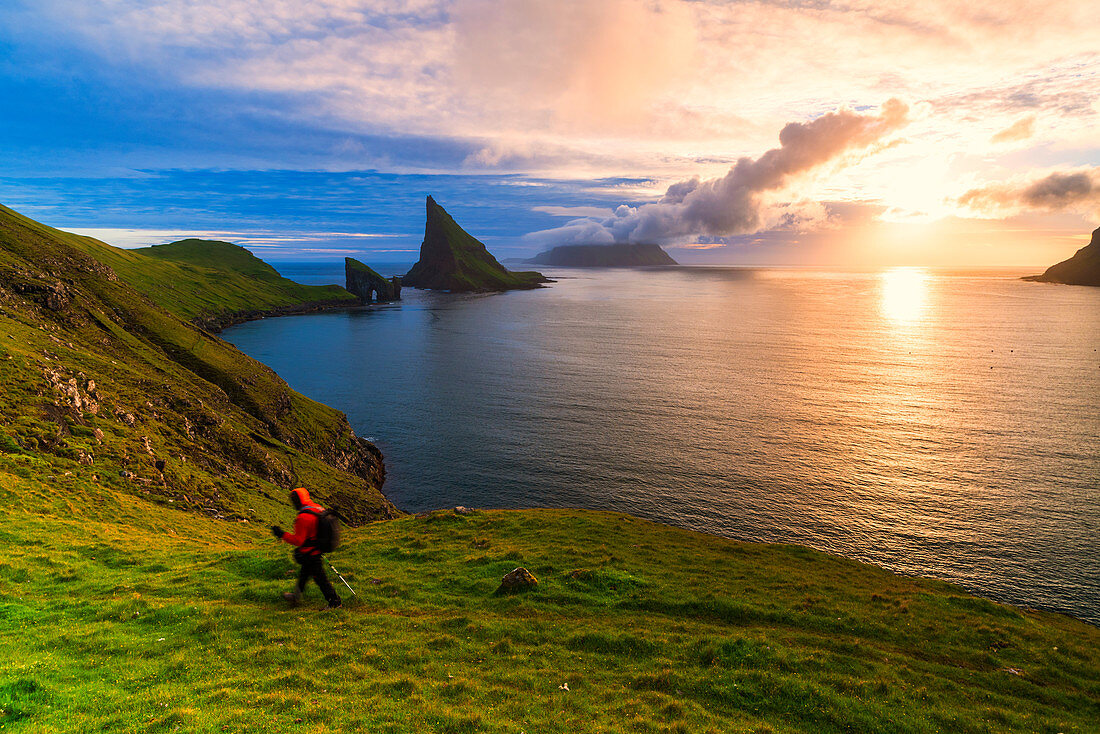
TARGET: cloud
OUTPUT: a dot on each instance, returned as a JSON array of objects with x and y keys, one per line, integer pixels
[
  {"x": 737, "y": 202},
  {"x": 1020, "y": 130},
  {"x": 573, "y": 211},
  {"x": 577, "y": 63},
  {"x": 1077, "y": 190}
]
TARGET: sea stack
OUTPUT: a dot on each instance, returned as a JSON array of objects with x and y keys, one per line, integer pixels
[
  {"x": 618, "y": 255},
  {"x": 368, "y": 285},
  {"x": 453, "y": 260},
  {"x": 1081, "y": 269}
]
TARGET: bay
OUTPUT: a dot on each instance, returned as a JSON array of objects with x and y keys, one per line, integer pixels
[{"x": 936, "y": 423}]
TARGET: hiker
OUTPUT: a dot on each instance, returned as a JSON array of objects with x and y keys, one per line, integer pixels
[{"x": 306, "y": 553}]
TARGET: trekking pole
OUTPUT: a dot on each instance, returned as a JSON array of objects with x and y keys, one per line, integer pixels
[{"x": 342, "y": 579}]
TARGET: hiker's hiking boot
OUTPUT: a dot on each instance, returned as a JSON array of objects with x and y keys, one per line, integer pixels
[
  {"x": 292, "y": 597},
  {"x": 333, "y": 605}
]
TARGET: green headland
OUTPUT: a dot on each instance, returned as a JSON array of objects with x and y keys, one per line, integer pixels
[
  {"x": 453, "y": 260},
  {"x": 142, "y": 458}
]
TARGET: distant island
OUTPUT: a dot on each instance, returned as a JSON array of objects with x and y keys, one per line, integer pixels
[
  {"x": 453, "y": 260},
  {"x": 619, "y": 255},
  {"x": 1081, "y": 269}
]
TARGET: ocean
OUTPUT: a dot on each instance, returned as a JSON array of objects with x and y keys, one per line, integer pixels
[{"x": 937, "y": 423}]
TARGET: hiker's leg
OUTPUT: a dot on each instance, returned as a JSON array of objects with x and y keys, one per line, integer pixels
[
  {"x": 324, "y": 585},
  {"x": 305, "y": 570}
]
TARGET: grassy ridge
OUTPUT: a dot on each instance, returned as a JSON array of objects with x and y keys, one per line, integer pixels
[
  {"x": 208, "y": 279},
  {"x": 203, "y": 280},
  {"x": 130, "y": 616}
]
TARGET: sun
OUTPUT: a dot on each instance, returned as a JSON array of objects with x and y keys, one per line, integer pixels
[{"x": 904, "y": 294}]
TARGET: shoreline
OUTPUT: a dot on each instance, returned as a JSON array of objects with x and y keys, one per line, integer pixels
[{"x": 216, "y": 323}]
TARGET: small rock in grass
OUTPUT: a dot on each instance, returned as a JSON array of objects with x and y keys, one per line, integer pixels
[
  {"x": 518, "y": 580},
  {"x": 460, "y": 510}
]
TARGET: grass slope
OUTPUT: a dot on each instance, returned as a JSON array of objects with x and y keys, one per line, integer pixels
[
  {"x": 124, "y": 615},
  {"x": 97, "y": 376},
  {"x": 213, "y": 280},
  {"x": 207, "y": 281}
]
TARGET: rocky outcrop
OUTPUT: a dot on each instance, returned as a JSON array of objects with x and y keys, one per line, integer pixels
[
  {"x": 619, "y": 255},
  {"x": 518, "y": 580},
  {"x": 1081, "y": 269},
  {"x": 368, "y": 285},
  {"x": 452, "y": 260}
]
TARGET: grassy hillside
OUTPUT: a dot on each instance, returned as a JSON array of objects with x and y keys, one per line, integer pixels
[
  {"x": 206, "y": 281},
  {"x": 211, "y": 281},
  {"x": 97, "y": 376},
  {"x": 125, "y": 615}
]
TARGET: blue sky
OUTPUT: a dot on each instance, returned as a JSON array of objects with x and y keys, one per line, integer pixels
[{"x": 311, "y": 129}]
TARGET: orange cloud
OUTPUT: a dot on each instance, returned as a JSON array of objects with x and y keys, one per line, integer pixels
[{"x": 1019, "y": 130}]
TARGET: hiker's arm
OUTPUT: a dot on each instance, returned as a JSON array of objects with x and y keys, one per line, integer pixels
[{"x": 300, "y": 531}]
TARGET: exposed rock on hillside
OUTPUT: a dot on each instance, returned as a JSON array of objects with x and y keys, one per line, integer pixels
[
  {"x": 452, "y": 260},
  {"x": 618, "y": 255},
  {"x": 1081, "y": 269},
  {"x": 368, "y": 285}
]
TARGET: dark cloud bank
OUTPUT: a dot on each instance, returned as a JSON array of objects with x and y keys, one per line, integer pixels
[{"x": 1055, "y": 192}]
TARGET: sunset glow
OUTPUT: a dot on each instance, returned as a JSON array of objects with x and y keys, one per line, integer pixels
[{"x": 970, "y": 117}]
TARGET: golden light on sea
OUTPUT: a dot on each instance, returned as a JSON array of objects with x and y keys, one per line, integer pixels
[{"x": 904, "y": 294}]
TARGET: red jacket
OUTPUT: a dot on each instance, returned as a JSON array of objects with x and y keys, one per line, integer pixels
[{"x": 305, "y": 525}]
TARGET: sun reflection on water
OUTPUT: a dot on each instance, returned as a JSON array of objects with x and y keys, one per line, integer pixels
[{"x": 904, "y": 294}]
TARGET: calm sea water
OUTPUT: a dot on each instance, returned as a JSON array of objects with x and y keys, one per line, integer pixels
[{"x": 935, "y": 423}]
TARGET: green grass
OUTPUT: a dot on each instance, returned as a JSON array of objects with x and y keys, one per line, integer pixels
[
  {"x": 143, "y": 618},
  {"x": 202, "y": 280},
  {"x": 208, "y": 278}
]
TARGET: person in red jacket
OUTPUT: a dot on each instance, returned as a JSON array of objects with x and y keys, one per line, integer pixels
[{"x": 306, "y": 553}]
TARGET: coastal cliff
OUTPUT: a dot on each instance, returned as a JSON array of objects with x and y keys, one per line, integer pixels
[
  {"x": 103, "y": 369},
  {"x": 603, "y": 256},
  {"x": 1081, "y": 269},
  {"x": 453, "y": 260}
]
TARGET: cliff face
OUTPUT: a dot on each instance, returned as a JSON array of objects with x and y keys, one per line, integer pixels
[
  {"x": 603, "y": 256},
  {"x": 452, "y": 260},
  {"x": 368, "y": 285},
  {"x": 1081, "y": 269}
]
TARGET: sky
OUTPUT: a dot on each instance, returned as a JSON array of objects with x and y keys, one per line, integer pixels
[{"x": 797, "y": 132}]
